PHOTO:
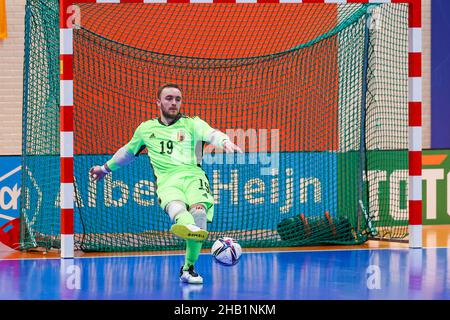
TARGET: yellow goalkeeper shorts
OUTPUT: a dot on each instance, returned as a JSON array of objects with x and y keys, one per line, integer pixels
[{"x": 190, "y": 189}]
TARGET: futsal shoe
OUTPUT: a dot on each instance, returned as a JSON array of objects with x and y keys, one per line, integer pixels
[
  {"x": 189, "y": 232},
  {"x": 190, "y": 276}
]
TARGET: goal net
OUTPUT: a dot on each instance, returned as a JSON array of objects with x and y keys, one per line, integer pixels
[{"x": 315, "y": 94}]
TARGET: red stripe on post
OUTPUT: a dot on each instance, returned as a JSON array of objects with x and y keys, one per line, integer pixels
[
  {"x": 415, "y": 163},
  {"x": 415, "y": 114},
  {"x": 66, "y": 71},
  {"x": 178, "y": 1},
  {"x": 414, "y": 12},
  {"x": 66, "y": 118},
  {"x": 414, "y": 64},
  {"x": 67, "y": 221},
  {"x": 415, "y": 212},
  {"x": 69, "y": 13},
  {"x": 63, "y": 15},
  {"x": 66, "y": 170}
]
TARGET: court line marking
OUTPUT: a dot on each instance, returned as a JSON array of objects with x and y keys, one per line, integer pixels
[{"x": 207, "y": 253}]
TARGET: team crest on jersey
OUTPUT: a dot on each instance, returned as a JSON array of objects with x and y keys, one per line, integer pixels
[{"x": 181, "y": 136}]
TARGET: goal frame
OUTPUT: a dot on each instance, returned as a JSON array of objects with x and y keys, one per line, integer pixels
[{"x": 66, "y": 13}]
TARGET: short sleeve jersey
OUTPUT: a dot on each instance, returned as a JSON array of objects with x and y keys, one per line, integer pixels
[{"x": 172, "y": 148}]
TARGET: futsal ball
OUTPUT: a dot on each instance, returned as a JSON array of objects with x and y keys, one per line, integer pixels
[{"x": 226, "y": 251}]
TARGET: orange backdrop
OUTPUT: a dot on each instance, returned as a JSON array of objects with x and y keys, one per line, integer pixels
[{"x": 116, "y": 79}]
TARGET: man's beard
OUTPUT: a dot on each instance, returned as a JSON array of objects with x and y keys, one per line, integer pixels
[{"x": 168, "y": 115}]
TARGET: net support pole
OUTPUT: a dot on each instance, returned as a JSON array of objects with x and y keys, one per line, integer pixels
[
  {"x": 362, "y": 142},
  {"x": 66, "y": 130}
]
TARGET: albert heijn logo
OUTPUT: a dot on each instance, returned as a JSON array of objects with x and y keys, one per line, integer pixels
[{"x": 10, "y": 188}]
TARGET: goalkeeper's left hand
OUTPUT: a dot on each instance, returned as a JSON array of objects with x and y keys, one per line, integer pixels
[
  {"x": 230, "y": 147},
  {"x": 98, "y": 172}
]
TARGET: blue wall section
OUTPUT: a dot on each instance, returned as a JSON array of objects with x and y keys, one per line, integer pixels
[
  {"x": 133, "y": 202},
  {"x": 10, "y": 184},
  {"x": 440, "y": 74}
]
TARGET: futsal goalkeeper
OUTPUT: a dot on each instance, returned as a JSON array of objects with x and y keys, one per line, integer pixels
[{"x": 175, "y": 145}]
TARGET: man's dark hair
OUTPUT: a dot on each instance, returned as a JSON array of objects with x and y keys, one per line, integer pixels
[{"x": 167, "y": 85}]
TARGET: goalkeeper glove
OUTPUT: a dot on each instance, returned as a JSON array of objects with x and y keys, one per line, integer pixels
[
  {"x": 99, "y": 172},
  {"x": 230, "y": 147}
]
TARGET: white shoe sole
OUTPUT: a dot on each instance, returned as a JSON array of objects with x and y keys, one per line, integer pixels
[{"x": 185, "y": 233}]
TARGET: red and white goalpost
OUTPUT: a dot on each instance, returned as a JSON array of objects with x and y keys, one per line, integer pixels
[
  {"x": 66, "y": 129},
  {"x": 415, "y": 122},
  {"x": 68, "y": 15}
]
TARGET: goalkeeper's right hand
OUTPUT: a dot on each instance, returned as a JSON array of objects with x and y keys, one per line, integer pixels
[{"x": 98, "y": 172}]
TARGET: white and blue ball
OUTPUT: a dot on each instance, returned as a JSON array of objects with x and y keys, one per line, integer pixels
[{"x": 226, "y": 251}]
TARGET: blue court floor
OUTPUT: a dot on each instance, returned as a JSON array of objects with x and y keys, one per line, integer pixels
[{"x": 365, "y": 274}]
